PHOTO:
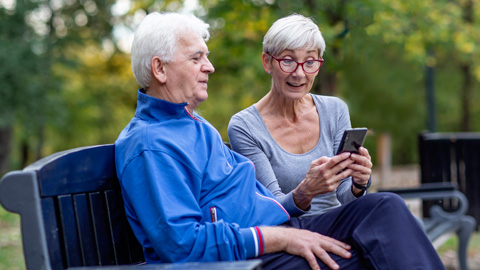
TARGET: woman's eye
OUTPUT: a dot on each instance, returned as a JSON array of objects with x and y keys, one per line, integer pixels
[{"x": 288, "y": 62}]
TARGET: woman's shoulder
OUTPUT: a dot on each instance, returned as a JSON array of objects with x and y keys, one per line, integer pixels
[
  {"x": 329, "y": 101},
  {"x": 246, "y": 123},
  {"x": 248, "y": 114},
  {"x": 327, "y": 98}
]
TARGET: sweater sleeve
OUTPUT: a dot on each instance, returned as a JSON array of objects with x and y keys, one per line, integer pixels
[
  {"x": 242, "y": 141},
  {"x": 163, "y": 208}
]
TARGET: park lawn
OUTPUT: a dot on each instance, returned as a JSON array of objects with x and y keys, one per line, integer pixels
[{"x": 11, "y": 253}]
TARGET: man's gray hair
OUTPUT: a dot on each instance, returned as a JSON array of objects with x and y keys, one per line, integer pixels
[
  {"x": 157, "y": 35},
  {"x": 293, "y": 32}
]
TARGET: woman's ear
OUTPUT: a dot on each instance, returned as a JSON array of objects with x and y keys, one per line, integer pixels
[
  {"x": 158, "y": 69},
  {"x": 267, "y": 63}
]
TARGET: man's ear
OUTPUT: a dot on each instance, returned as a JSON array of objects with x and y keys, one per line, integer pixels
[{"x": 158, "y": 69}]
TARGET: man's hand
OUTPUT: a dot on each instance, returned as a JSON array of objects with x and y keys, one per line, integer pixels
[{"x": 306, "y": 244}]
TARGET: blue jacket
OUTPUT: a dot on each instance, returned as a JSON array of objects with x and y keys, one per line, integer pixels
[{"x": 187, "y": 196}]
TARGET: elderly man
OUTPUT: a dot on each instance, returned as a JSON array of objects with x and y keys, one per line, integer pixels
[{"x": 189, "y": 198}]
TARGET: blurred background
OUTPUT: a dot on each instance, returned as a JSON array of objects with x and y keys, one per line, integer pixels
[{"x": 402, "y": 66}]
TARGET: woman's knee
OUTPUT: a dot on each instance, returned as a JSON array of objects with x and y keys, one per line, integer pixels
[{"x": 385, "y": 198}]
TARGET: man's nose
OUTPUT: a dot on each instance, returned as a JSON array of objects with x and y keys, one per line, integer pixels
[{"x": 208, "y": 67}]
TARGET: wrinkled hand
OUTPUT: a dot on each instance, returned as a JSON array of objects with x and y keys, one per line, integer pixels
[
  {"x": 361, "y": 168},
  {"x": 306, "y": 244},
  {"x": 323, "y": 176}
]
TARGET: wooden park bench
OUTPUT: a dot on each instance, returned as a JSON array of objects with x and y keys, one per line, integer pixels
[
  {"x": 72, "y": 215},
  {"x": 450, "y": 168}
]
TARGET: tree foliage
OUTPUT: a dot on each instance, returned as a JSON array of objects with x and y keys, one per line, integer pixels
[
  {"x": 65, "y": 82},
  {"x": 376, "y": 56}
]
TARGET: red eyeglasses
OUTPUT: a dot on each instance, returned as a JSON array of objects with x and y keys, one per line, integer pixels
[{"x": 290, "y": 65}]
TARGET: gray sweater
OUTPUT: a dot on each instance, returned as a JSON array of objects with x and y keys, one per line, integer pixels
[{"x": 281, "y": 171}]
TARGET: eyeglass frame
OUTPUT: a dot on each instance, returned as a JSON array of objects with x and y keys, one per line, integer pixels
[{"x": 321, "y": 60}]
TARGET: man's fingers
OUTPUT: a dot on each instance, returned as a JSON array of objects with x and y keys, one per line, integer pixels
[
  {"x": 333, "y": 246},
  {"x": 324, "y": 257},
  {"x": 312, "y": 261},
  {"x": 338, "y": 243}
]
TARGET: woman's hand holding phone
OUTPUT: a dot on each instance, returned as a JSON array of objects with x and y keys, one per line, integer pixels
[
  {"x": 361, "y": 169},
  {"x": 323, "y": 176}
]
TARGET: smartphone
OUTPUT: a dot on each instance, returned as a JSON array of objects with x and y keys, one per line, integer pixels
[{"x": 352, "y": 139}]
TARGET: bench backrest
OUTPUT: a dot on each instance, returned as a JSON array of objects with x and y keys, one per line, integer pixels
[
  {"x": 72, "y": 211},
  {"x": 455, "y": 158}
]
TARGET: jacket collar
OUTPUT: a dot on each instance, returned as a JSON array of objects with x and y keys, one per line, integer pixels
[{"x": 150, "y": 108}]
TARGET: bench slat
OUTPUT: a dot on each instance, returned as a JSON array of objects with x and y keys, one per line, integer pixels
[
  {"x": 116, "y": 226},
  {"x": 85, "y": 229},
  {"x": 69, "y": 233},
  {"x": 101, "y": 229},
  {"x": 469, "y": 152},
  {"x": 52, "y": 232}
]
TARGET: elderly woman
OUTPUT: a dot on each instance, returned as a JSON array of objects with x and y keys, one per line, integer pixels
[{"x": 291, "y": 135}]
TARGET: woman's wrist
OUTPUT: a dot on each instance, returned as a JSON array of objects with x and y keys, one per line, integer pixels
[
  {"x": 358, "y": 190},
  {"x": 301, "y": 199}
]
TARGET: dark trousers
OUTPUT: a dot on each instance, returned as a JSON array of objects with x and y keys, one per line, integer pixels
[{"x": 381, "y": 230}]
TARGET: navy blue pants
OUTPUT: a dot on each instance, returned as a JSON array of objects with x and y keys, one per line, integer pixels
[{"x": 381, "y": 230}]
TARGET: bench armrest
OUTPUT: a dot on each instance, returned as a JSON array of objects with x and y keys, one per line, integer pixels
[
  {"x": 19, "y": 194},
  {"x": 435, "y": 191}
]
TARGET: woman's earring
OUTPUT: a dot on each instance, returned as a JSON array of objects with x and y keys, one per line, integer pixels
[{"x": 268, "y": 72}]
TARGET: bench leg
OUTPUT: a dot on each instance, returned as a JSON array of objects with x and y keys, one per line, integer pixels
[{"x": 464, "y": 233}]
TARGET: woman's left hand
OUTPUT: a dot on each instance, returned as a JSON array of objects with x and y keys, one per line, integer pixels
[{"x": 361, "y": 168}]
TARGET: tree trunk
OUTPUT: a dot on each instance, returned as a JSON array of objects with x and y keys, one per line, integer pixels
[
  {"x": 467, "y": 91},
  {"x": 5, "y": 142},
  {"x": 326, "y": 83},
  {"x": 467, "y": 86}
]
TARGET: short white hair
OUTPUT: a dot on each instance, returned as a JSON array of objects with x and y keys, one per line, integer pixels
[
  {"x": 157, "y": 35},
  {"x": 293, "y": 32}
]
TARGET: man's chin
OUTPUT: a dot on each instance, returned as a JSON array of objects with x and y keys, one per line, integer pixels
[{"x": 203, "y": 97}]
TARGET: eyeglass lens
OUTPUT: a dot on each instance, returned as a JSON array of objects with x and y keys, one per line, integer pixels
[{"x": 308, "y": 66}]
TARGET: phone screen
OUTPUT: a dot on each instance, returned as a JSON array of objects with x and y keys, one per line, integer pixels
[{"x": 352, "y": 140}]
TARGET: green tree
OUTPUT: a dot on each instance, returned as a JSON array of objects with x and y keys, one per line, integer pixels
[
  {"x": 375, "y": 60},
  {"x": 38, "y": 37},
  {"x": 19, "y": 74}
]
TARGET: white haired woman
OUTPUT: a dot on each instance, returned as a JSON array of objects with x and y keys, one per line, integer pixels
[{"x": 292, "y": 135}]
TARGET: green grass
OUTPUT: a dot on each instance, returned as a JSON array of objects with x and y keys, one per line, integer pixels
[
  {"x": 11, "y": 253},
  {"x": 452, "y": 243}
]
